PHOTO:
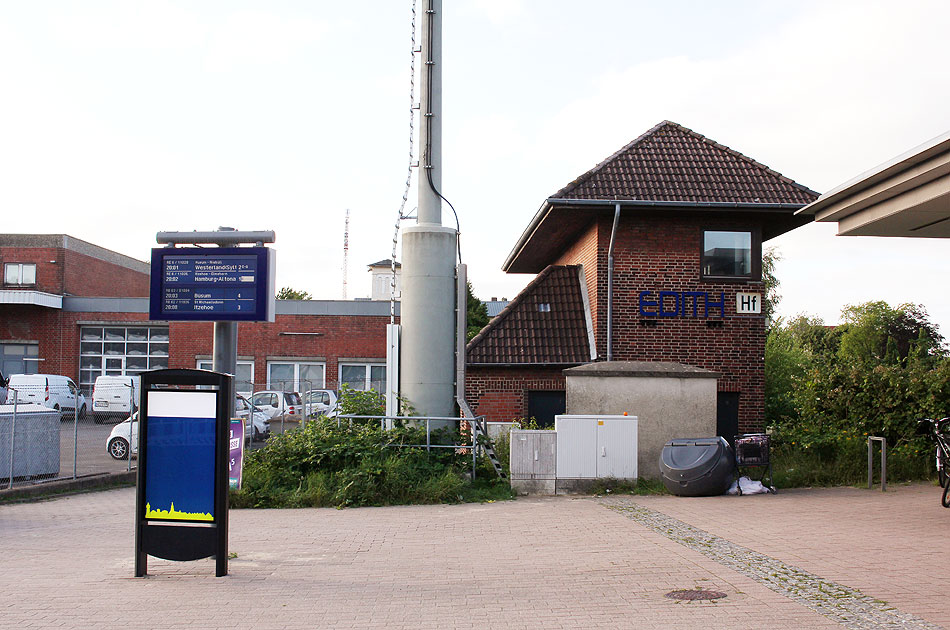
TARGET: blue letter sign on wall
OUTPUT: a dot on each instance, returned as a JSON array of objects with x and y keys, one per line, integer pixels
[
  {"x": 221, "y": 284},
  {"x": 679, "y": 304}
]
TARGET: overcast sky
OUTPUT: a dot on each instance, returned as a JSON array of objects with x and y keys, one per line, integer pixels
[{"x": 121, "y": 119}]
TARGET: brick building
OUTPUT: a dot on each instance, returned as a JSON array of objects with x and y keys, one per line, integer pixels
[
  {"x": 73, "y": 308},
  {"x": 684, "y": 218}
]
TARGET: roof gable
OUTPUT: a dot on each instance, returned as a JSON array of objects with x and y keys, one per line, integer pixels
[
  {"x": 670, "y": 163},
  {"x": 546, "y": 323}
]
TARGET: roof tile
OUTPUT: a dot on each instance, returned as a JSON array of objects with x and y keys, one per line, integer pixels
[
  {"x": 545, "y": 323},
  {"x": 672, "y": 163}
]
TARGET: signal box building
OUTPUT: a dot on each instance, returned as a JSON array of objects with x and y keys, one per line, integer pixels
[{"x": 654, "y": 255}]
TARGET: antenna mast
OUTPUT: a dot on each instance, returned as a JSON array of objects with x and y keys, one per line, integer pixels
[{"x": 346, "y": 249}]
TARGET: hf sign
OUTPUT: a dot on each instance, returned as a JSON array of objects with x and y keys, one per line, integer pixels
[{"x": 748, "y": 303}]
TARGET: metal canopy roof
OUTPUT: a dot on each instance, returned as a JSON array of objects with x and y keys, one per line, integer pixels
[{"x": 906, "y": 196}]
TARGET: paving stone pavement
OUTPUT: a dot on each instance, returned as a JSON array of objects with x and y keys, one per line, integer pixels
[{"x": 532, "y": 563}]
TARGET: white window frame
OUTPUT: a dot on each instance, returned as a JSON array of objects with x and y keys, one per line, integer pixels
[
  {"x": 19, "y": 280},
  {"x": 297, "y": 364},
  {"x": 209, "y": 363},
  {"x": 367, "y": 380}
]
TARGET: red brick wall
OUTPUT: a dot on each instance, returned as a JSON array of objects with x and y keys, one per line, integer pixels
[
  {"x": 586, "y": 252},
  {"x": 57, "y": 333},
  {"x": 655, "y": 253},
  {"x": 349, "y": 337},
  {"x": 73, "y": 273},
  {"x": 49, "y": 276},
  {"x": 88, "y": 276},
  {"x": 501, "y": 393}
]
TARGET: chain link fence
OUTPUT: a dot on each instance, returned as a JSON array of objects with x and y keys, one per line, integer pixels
[{"x": 49, "y": 429}]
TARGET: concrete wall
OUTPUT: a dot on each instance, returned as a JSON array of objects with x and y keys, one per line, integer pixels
[{"x": 671, "y": 401}]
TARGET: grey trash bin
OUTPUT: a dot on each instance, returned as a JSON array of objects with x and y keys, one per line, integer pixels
[{"x": 697, "y": 467}]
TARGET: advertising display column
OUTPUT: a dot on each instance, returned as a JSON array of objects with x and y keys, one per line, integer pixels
[{"x": 183, "y": 474}]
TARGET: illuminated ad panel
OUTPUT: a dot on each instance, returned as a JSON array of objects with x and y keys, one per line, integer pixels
[{"x": 179, "y": 468}]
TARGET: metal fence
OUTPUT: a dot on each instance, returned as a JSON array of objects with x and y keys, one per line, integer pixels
[
  {"x": 464, "y": 441},
  {"x": 50, "y": 430}
]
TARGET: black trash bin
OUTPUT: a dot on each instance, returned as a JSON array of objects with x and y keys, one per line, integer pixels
[{"x": 697, "y": 467}]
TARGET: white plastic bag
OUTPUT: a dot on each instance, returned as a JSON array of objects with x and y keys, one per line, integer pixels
[{"x": 748, "y": 486}]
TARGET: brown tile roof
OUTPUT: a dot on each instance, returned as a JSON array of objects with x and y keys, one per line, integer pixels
[
  {"x": 671, "y": 163},
  {"x": 545, "y": 323}
]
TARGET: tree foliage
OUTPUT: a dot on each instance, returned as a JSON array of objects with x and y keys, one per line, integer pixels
[
  {"x": 287, "y": 293},
  {"x": 772, "y": 297},
  {"x": 881, "y": 370},
  {"x": 476, "y": 316}
]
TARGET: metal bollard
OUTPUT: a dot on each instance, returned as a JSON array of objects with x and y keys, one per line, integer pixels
[{"x": 883, "y": 442}]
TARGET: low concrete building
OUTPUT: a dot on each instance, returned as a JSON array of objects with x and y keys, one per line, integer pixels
[{"x": 671, "y": 400}]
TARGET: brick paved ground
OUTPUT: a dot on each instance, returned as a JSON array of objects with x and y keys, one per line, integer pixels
[
  {"x": 531, "y": 563},
  {"x": 888, "y": 545}
]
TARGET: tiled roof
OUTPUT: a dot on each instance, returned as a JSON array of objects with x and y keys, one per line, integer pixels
[
  {"x": 385, "y": 263},
  {"x": 545, "y": 323},
  {"x": 494, "y": 307},
  {"x": 671, "y": 163}
]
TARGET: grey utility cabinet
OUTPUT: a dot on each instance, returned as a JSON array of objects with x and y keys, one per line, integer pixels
[
  {"x": 35, "y": 441},
  {"x": 595, "y": 447},
  {"x": 533, "y": 461}
]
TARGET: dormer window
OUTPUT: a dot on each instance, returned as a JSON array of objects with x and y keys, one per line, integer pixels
[{"x": 23, "y": 274}]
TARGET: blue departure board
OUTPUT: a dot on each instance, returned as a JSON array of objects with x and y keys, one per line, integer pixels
[{"x": 212, "y": 284}]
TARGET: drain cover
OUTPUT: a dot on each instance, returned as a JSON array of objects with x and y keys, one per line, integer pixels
[{"x": 695, "y": 594}]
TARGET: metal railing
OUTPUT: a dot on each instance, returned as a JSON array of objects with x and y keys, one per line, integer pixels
[{"x": 464, "y": 427}]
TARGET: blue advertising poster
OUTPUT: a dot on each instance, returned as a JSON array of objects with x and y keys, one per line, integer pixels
[{"x": 179, "y": 469}]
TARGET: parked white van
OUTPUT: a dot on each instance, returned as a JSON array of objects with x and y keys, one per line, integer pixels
[
  {"x": 50, "y": 390},
  {"x": 115, "y": 397}
]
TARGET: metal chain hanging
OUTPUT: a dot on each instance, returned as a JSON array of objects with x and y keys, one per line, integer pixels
[{"x": 405, "y": 193}]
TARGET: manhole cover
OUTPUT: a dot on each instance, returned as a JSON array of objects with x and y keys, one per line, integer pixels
[{"x": 695, "y": 594}]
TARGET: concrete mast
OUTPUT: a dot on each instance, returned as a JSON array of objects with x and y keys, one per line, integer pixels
[{"x": 427, "y": 364}]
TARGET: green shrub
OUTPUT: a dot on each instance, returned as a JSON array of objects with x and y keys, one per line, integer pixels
[{"x": 325, "y": 465}]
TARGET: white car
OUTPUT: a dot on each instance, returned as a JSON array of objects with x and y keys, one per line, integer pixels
[
  {"x": 278, "y": 405},
  {"x": 261, "y": 422},
  {"x": 125, "y": 435},
  {"x": 321, "y": 402}
]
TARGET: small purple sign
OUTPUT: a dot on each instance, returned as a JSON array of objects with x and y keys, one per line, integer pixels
[{"x": 236, "y": 461}]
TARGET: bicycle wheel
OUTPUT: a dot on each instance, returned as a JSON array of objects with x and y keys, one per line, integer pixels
[
  {"x": 945, "y": 501},
  {"x": 942, "y": 472}
]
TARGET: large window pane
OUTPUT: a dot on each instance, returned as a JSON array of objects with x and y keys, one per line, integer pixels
[
  {"x": 311, "y": 376},
  {"x": 138, "y": 334},
  {"x": 90, "y": 347},
  {"x": 136, "y": 363},
  {"x": 11, "y": 274},
  {"x": 281, "y": 376},
  {"x": 91, "y": 334},
  {"x": 727, "y": 253},
  {"x": 353, "y": 376},
  {"x": 136, "y": 349},
  {"x": 28, "y": 274},
  {"x": 158, "y": 334},
  {"x": 377, "y": 378},
  {"x": 115, "y": 334}
]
